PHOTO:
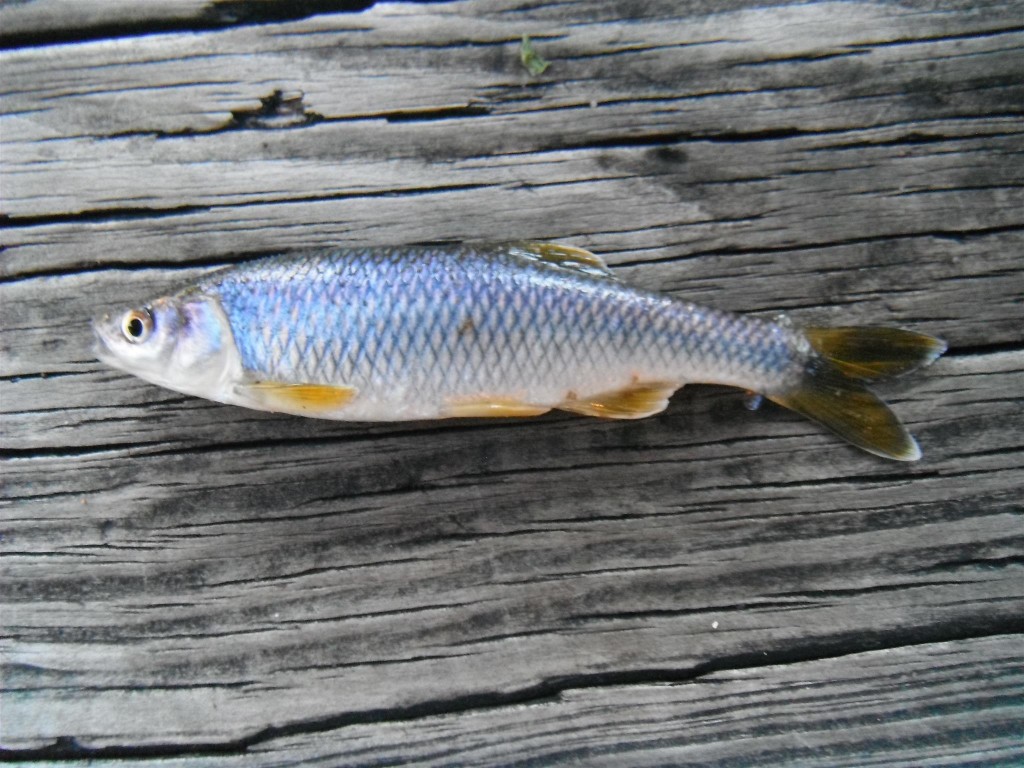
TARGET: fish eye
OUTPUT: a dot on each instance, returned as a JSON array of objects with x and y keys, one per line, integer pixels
[{"x": 136, "y": 325}]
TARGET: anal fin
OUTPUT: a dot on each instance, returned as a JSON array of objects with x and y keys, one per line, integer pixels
[
  {"x": 302, "y": 399},
  {"x": 491, "y": 407},
  {"x": 636, "y": 401}
]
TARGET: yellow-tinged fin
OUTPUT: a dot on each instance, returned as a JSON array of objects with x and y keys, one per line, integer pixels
[
  {"x": 310, "y": 399},
  {"x": 833, "y": 389},
  {"x": 487, "y": 406},
  {"x": 874, "y": 353},
  {"x": 855, "y": 414},
  {"x": 633, "y": 402},
  {"x": 564, "y": 256}
]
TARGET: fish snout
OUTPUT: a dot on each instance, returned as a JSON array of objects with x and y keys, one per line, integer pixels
[{"x": 103, "y": 326}]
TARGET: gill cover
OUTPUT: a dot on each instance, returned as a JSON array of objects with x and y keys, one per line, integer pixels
[{"x": 181, "y": 342}]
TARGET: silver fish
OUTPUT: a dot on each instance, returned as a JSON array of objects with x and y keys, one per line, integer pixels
[{"x": 386, "y": 334}]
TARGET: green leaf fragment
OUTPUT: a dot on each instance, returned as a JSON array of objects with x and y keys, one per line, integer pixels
[{"x": 532, "y": 60}]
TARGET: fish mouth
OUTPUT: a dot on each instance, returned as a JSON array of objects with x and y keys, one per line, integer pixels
[{"x": 100, "y": 346}]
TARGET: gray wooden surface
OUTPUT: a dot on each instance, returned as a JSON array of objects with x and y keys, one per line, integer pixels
[{"x": 185, "y": 583}]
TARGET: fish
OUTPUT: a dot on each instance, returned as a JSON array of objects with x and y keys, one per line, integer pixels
[{"x": 493, "y": 330}]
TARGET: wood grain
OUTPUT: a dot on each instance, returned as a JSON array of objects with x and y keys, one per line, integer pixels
[
  {"x": 191, "y": 583},
  {"x": 882, "y": 704}
]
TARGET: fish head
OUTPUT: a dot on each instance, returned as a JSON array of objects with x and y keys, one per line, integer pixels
[{"x": 181, "y": 342}]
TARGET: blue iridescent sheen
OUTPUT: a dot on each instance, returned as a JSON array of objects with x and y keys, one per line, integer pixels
[{"x": 463, "y": 319}]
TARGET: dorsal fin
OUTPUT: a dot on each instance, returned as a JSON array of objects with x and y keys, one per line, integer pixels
[{"x": 564, "y": 256}]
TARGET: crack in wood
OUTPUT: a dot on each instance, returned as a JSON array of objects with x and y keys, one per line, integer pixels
[
  {"x": 276, "y": 111},
  {"x": 980, "y": 563},
  {"x": 972, "y": 35},
  {"x": 68, "y": 748},
  {"x": 979, "y": 350},
  {"x": 951, "y": 234},
  {"x": 215, "y": 16},
  {"x": 106, "y": 216}
]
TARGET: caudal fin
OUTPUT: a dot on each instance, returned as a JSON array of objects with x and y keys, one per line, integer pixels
[{"x": 833, "y": 391}]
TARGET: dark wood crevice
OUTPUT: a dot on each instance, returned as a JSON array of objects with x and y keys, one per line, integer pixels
[
  {"x": 70, "y": 749},
  {"x": 217, "y": 15}
]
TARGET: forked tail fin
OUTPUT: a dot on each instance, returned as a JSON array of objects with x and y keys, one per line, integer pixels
[{"x": 834, "y": 389}]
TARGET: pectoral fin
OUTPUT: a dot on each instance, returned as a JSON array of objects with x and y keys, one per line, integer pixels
[
  {"x": 302, "y": 399},
  {"x": 491, "y": 407},
  {"x": 634, "y": 402}
]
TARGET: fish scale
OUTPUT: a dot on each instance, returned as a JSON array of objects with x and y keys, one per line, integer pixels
[{"x": 477, "y": 330}]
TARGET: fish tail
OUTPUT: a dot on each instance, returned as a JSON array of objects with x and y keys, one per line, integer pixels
[{"x": 833, "y": 390}]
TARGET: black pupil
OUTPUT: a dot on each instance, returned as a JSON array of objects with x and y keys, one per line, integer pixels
[{"x": 135, "y": 327}]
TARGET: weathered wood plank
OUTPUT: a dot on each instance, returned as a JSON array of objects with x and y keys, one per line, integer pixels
[
  {"x": 455, "y": 54},
  {"x": 731, "y": 77},
  {"x": 633, "y": 204},
  {"x": 754, "y": 715},
  {"x": 597, "y": 549},
  {"x": 37, "y": 22},
  {"x": 182, "y": 578}
]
